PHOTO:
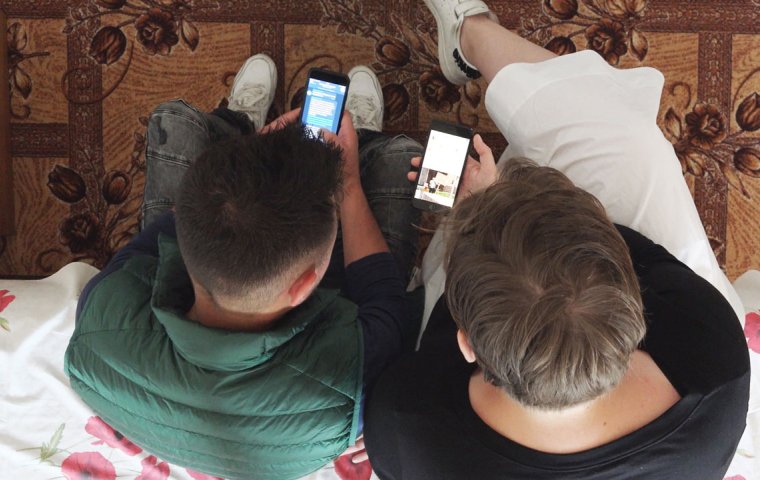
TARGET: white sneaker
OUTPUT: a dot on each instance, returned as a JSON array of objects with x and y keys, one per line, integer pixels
[
  {"x": 449, "y": 15},
  {"x": 253, "y": 89},
  {"x": 365, "y": 99}
]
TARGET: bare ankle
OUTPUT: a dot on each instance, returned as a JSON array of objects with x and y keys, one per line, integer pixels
[{"x": 467, "y": 34}]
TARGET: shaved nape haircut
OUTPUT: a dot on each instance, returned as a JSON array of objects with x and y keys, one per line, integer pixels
[
  {"x": 542, "y": 284},
  {"x": 253, "y": 209}
]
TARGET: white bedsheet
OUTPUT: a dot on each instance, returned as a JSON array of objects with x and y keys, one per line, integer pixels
[{"x": 46, "y": 432}]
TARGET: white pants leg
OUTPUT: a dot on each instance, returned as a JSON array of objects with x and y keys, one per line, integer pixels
[{"x": 598, "y": 125}]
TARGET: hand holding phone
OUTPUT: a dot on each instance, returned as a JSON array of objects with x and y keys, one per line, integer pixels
[
  {"x": 324, "y": 101},
  {"x": 478, "y": 175},
  {"x": 348, "y": 141},
  {"x": 442, "y": 166}
]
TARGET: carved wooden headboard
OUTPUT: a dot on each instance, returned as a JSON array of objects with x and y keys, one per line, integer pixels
[{"x": 6, "y": 172}]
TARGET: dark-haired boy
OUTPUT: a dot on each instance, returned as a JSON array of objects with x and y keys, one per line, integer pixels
[{"x": 215, "y": 344}]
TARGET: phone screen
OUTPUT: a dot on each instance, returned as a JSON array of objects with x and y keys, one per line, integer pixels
[
  {"x": 441, "y": 168},
  {"x": 322, "y": 106}
]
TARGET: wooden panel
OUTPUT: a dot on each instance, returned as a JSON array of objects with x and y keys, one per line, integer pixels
[{"x": 6, "y": 174}]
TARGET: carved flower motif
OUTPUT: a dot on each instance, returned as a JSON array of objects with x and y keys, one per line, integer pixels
[
  {"x": 157, "y": 31},
  {"x": 396, "y": 101},
  {"x": 692, "y": 161},
  {"x": 80, "y": 232},
  {"x": 66, "y": 184},
  {"x": 116, "y": 187},
  {"x": 437, "y": 92},
  {"x": 706, "y": 126},
  {"x": 607, "y": 37},
  {"x": 639, "y": 45},
  {"x": 747, "y": 161},
  {"x": 112, "y": 4},
  {"x": 561, "y": 46},
  {"x": 108, "y": 45},
  {"x": 393, "y": 52},
  {"x": 622, "y": 8},
  {"x": 748, "y": 114},
  {"x": 177, "y": 5},
  {"x": 21, "y": 82},
  {"x": 562, "y": 9}
]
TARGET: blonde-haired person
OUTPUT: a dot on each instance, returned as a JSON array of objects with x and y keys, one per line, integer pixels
[{"x": 565, "y": 345}]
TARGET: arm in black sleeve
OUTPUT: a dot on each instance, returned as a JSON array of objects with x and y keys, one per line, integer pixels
[
  {"x": 144, "y": 243},
  {"x": 692, "y": 331},
  {"x": 645, "y": 253},
  {"x": 375, "y": 285}
]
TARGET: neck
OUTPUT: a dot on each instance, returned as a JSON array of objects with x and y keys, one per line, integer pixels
[
  {"x": 643, "y": 395},
  {"x": 208, "y": 313}
]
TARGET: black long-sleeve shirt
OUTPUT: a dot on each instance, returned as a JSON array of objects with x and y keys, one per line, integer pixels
[{"x": 419, "y": 423}]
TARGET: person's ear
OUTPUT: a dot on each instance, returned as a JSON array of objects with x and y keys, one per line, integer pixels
[
  {"x": 302, "y": 287},
  {"x": 465, "y": 347}
]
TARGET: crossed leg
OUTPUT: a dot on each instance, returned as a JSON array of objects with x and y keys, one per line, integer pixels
[{"x": 596, "y": 124}]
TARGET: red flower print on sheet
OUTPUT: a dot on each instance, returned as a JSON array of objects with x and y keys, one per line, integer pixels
[
  {"x": 5, "y": 299},
  {"x": 88, "y": 466},
  {"x": 98, "y": 428},
  {"x": 153, "y": 470},
  {"x": 201, "y": 476},
  {"x": 348, "y": 470},
  {"x": 752, "y": 331},
  {"x": 735, "y": 477}
]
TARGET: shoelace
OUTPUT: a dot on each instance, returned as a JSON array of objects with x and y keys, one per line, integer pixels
[
  {"x": 253, "y": 100},
  {"x": 364, "y": 111}
]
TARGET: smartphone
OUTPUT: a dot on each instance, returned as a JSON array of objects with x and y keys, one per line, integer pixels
[
  {"x": 442, "y": 166},
  {"x": 324, "y": 101}
]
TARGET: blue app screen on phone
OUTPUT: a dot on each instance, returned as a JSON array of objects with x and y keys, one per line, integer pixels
[{"x": 322, "y": 105}]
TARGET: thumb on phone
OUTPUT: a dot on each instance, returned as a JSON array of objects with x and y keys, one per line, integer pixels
[
  {"x": 329, "y": 136},
  {"x": 479, "y": 175},
  {"x": 484, "y": 152}
]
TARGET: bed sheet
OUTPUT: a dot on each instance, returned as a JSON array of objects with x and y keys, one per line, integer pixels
[{"x": 46, "y": 431}]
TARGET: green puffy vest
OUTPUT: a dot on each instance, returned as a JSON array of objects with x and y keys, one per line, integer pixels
[{"x": 273, "y": 405}]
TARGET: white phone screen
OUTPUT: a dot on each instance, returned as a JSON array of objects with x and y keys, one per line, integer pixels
[{"x": 441, "y": 168}]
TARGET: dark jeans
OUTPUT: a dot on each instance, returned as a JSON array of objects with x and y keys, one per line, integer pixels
[{"x": 178, "y": 133}]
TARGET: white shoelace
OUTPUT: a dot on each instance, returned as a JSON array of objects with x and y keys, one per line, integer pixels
[
  {"x": 253, "y": 100},
  {"x": 365, "y": 112}
]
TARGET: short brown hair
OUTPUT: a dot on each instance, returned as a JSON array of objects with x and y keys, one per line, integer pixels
[
  {"x": 253, "y": 207},
  {"x": 542, "y": 284}
]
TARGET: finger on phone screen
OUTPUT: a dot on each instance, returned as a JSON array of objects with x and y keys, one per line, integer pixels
[
  {"x": 279, "y": 122},
  {"x": 328, "y": 136}
]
